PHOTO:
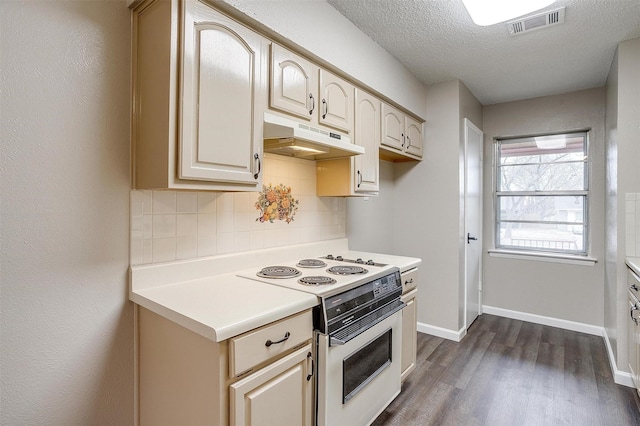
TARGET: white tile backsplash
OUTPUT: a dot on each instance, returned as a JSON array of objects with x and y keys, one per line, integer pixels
[
  {"x": 171, "y": 225},
  {"x": 632, "y": 224}
]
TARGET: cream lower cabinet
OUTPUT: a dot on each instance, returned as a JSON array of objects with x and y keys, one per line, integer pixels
[
  {"x": 633, "y": 330},
  {"x": 279, "y": 394},
  {"x": 358, "y": 175},
  {"x": 262, "y": 377},
  {"x": 402, "y": 136},
  {"x": 409, "y": 323},
  {"x": 200, "y": 88}
]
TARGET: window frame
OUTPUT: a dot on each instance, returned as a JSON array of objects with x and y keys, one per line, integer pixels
[{"x": 584, "y": 193}]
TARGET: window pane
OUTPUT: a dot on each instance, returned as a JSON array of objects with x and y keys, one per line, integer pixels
[
  {"x": 541, "y": 237},
  {"x": 543, "y": 163},
  {"x": 542, "y": 208}
]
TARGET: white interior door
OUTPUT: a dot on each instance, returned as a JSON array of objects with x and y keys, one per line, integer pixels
[{"x": 473, "y": 220}]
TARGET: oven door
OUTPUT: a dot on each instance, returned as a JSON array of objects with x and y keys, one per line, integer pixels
[{"x": 357, "y": 380}]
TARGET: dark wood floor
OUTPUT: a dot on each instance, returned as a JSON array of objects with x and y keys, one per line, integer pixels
[{"x": 510, "y": 372}]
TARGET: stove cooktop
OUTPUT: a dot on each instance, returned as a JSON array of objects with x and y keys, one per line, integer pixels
[{"x": 320, "y": 276}]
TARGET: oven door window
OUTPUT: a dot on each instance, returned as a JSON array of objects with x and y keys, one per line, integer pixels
[{"x": 362, "y": 366}]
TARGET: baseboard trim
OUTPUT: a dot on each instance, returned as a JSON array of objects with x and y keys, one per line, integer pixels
[
  {"x": 445, "y": 333},
  {"x": 539, "y": 319},
  {"x": 620, "y": 377}
]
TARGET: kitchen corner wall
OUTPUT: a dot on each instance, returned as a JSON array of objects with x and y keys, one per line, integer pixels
[
  {"x": 632, "y": 225},
  {"x": 171, "y": 225}
]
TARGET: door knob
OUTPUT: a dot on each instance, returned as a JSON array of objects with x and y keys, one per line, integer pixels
[{"x": 469, "y": 238}]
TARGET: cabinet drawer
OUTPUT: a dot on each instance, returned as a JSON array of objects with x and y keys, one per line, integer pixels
[
  {"x": 409, "y": 280},
  {"x": 634, "y": 283},
  {"x": 262, "y": 344}
]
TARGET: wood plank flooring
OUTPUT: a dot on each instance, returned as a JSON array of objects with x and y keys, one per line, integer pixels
[{"x": 510, "y": 372}]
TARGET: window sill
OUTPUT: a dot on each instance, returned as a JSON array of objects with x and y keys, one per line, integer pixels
[{"x": 545, "y": 257}]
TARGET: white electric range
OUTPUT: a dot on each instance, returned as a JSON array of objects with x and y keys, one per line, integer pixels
[{"x": 358, "y": 333}]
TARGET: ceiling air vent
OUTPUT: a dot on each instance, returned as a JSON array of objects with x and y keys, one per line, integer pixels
[{"x": 536, "y": 22}]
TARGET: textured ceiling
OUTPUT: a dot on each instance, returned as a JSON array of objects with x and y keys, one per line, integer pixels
[{"x": 437, "y": 41}]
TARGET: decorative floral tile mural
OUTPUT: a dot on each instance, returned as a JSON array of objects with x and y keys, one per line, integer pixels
[{"x": 276, "y": 202}]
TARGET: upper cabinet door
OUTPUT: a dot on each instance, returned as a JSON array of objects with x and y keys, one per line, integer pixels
[
  {"x": 392, "y": 127},
  {"x": 336, "y": 102},
  {"x": 413, "y": 137},
  {"x": 294, "y": 82},
  {"x": 223, "y": 97},
  {"x": 367, "y": 135}
]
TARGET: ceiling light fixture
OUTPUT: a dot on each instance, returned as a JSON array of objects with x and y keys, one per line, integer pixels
[{"x": 489, "y": 12}]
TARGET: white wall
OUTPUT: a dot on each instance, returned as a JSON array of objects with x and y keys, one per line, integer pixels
[
  {"x": 563, "y": 291},
  {"x": 623, "y": 177},
  {"x": 66, "y": 324},
  {"x": 317, "y": 27}
]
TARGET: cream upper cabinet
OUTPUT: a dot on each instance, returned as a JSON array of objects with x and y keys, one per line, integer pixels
[
  {"x": 402, "y": 135},
  {"x": 336, "y": 102},
  {"x": 367, "y": 134},
  {"x": 358, "y": 175},
  {"x": 294, "y": 82},
  {"x": 301, "y": 88},
  {"x": 200, "y": 88},
  {"x": 413, "y": 136}
]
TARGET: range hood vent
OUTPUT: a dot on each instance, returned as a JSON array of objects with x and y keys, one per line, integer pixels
[
  {"x": 536, "y": 22},
  {"x": 284, "y": 136}
]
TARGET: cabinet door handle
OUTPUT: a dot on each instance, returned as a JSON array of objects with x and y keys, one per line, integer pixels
[
  {"x": 257, "y": 157},
  {"x": 270, "y": 342},
  {"x": 633, "y": 308},
  {"x": 325, "y": 107},
  {"x": 634, "y": 287},
  {"x": 403, "y": 140},
  {"x": 359, "y": 178},
  {"x": 408, "y": 141},
  {"x": 313, "y": 103},
  {"x": 310, "y": 357}
]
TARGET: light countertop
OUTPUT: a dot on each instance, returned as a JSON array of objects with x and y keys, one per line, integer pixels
[
  {"x": 633, "y": 263},
  {"x": 205, "y": 296},
  {"x": 223, "y": 306}
]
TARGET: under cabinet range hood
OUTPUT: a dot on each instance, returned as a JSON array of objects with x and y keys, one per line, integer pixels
[{"x": 284, "y": 136}]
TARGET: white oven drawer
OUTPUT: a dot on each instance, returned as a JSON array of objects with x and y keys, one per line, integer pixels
[
  {"x": 254, "y": 347},
  {"x": 409, "y": 280}
]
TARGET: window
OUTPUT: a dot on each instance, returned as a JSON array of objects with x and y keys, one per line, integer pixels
[{"x": 542, "y": 194}]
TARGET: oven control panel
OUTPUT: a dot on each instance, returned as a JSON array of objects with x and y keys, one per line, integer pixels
[{"x": 350, "y": 306}]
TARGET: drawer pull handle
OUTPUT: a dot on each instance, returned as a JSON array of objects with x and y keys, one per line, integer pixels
[
  {"x": 310, "y": 357},
  {"x": 270, "y": 342},
  {"x": 409, "y": 281},
  {"x": 633, "y": 287}
]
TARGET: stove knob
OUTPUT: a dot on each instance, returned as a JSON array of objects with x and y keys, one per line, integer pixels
[
  {"x": 339, "y": 258},
  {"x": 370, "y": 262},
  {"x": 359, "y": 260},
  {"x": 330, "y": 256}
]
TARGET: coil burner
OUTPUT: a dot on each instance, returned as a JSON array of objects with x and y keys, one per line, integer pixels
[
  {"x": 347, "y": 270},
  {"x": 311, "y": 263},
  {"x": 278, "y": 272},
  {"x": 317, "y": 280}
]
